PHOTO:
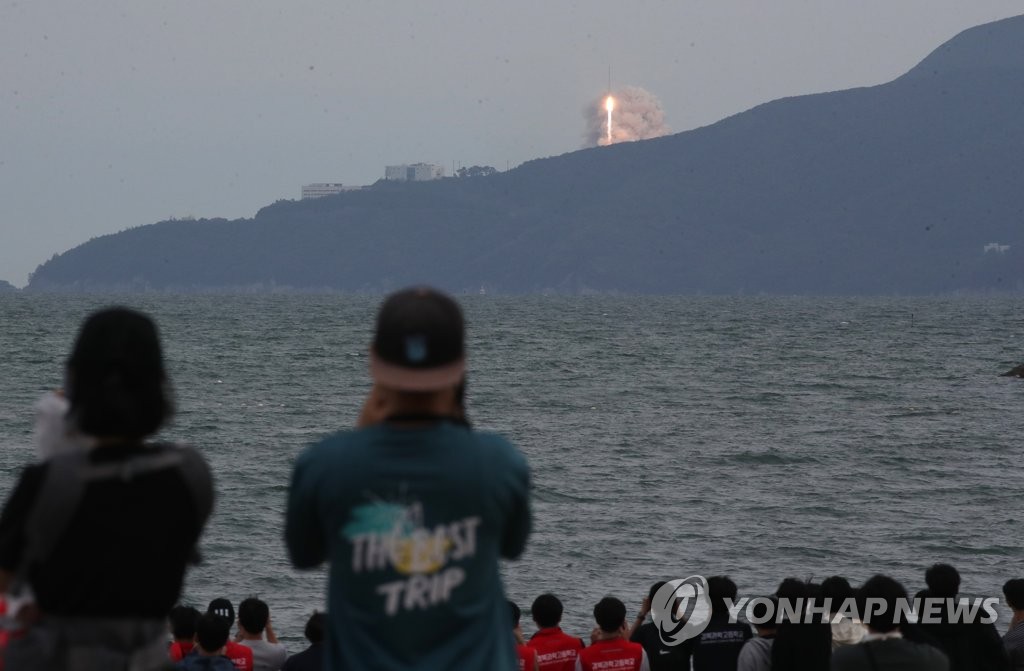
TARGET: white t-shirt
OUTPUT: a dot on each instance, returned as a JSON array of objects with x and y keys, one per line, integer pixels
[{"x": 266, "y": 656}]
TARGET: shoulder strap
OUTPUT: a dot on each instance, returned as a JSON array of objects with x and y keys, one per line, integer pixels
[{"x": 54, "y": 505}]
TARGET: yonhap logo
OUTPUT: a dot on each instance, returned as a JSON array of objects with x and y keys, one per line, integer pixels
[{"x": 681, "y": 609}]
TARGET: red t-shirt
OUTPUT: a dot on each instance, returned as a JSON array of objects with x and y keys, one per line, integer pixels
[
  {"x": 556, "y": 650},
  {"x": 240, "y": 655},
  {"x": 617, "y": 653},
  {"x": 179, "y": 649},
  {"x": 527, "y": 657}
]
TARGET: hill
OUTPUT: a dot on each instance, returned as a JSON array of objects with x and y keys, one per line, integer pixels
[{"x": 913, "y": 186}]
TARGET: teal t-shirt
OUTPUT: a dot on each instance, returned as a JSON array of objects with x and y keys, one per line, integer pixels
[{"x": 413, "y": 522}]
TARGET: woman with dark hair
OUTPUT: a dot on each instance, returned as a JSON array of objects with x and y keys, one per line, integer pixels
[
  {"x": 116, "y": 383},
  {"x": 102, "y": 536}
]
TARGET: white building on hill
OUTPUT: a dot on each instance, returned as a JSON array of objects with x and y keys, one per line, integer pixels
[
  {"x": 320, "y": 190},
  {"x": 417, "y": 172}
]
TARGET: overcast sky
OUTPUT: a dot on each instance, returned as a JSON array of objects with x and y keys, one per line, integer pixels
[{"x": 118, "y": 113}]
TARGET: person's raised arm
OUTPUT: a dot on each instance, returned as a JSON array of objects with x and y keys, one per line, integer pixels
[
  {"x": 302, "y": 532},
  {"x": 271, "y": 636},
  {"x": 645, "y": 608}
]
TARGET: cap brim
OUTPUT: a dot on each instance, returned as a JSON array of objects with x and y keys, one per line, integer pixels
[{"x": 411, "y": 379}]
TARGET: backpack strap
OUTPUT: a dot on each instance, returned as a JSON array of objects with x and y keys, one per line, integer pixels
[{"x": 55, "y": 504}]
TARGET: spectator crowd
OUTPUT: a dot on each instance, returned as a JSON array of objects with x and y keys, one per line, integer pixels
[
  {"x": 774, "y": 639},
  {"x": 411, "y": 510}
]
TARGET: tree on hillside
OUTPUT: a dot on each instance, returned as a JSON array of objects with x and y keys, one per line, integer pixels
[{"x": 475, "y": 171}]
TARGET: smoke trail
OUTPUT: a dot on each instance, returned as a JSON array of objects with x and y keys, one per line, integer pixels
[{"x": 637, "y": 116}]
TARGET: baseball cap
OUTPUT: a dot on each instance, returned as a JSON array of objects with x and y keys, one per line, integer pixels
[
  {"x": 222, "y": 608},
  {"x": 419, "y": 342}
]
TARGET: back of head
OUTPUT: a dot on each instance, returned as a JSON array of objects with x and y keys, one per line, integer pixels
[
  {"x": 516, "y": 613},
  {"x": 546, "y": 610},
  {"x": 837, "y": 590},
  {"x": 762, "y": 612},
  {"x": 610, "y": 614},
  {"x": 418, "y": 345},
  {"x": 654, "y": 590},
  {"x": 315, "y": 628},
  {"x": 253, "y": 615},
  {"x": 223, "y": 609},
  {"x": 183, "y": 621},
  {"x": 212, "y": 632},
  {"x": 1013, "y": 590},
  {"x": 116, "y": 383},
  {"x": 886, "y": 589},
  {"x": 720, "y": 588},
  {"x": 792, "y": 588},
  {"x": 943, "y": 581}
]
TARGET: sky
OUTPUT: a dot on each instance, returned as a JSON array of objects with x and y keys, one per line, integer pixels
[{"x": 119, "y": 113}]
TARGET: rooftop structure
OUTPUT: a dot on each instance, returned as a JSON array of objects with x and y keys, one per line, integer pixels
[{"x": 417, "y": 172}]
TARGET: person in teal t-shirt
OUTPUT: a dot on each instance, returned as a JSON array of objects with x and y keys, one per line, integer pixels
[{"x": 413, "y": 509}]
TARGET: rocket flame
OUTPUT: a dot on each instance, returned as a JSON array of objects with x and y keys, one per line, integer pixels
[{"x": 629, "y": 114}]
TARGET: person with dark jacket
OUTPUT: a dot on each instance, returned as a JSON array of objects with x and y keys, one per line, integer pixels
[
  {"x": 312, "y": 658},
  {"x": 660, "y": 656},
  {"x": 718, "y": 646},
  {"x": 801, "y": 644},
  {"x": 91, "y": 532},
  {"x": 970, "y": 645}
]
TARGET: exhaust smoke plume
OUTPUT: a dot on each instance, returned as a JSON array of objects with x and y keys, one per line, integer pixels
[{"x": 623, "y": 116}]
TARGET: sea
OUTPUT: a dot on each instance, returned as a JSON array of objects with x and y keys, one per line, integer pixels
[{"x": 755, "y": 437}]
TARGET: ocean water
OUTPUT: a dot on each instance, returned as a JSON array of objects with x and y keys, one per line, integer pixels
[{"x": 755, "y": 437}]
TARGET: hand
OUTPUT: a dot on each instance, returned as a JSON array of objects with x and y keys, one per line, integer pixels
[
  {"x": 271, "y": 636},
  {"x": 645, "y": 608},
  {"x": 29, "y": 614},
  {"x": 374, "y": 410}
]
